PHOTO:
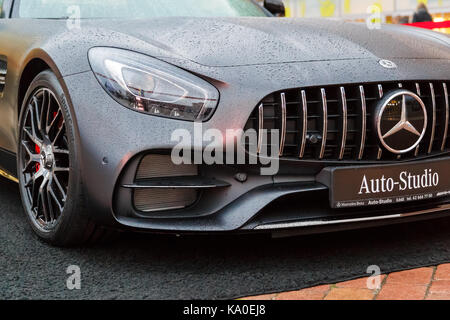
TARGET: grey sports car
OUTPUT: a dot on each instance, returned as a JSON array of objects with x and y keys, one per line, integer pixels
[{"x": 93, "y": 95}]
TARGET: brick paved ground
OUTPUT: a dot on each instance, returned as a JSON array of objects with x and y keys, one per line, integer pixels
[{"x": 432, "y": 283}]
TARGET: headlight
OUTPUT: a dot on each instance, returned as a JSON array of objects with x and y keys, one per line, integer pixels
[{"x": 152, "y": 86}]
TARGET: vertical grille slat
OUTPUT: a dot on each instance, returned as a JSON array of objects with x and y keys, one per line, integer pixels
[
  {"x": 305, "y": 123},
  {"x": 418, "y": 89},
  {"x": 380, "y": 94},
  {"x": 363, "y": 122},
  {"x": 447, "y": 111},
  {"x": 433, "y": 121},
  {"x": 325, "y": 122},
  {"x": 260, "y": 126},
  {"x": 380, "y": 91},
  {"x": 344, "y": 123},
  {"x": 283, "y": 123},
  {"x": 379, "y": 154},
  {"x": 400, "y": 85},
  {"x": 416, "y": 153},
  {"x": 335, "y": 122}
]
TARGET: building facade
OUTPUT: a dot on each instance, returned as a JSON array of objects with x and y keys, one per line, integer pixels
[{"x": 359, "y": 9}]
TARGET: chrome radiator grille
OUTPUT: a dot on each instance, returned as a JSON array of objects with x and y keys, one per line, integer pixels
[{"x": 336, "y": 123}]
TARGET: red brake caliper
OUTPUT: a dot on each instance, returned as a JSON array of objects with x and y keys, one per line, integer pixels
[{"x": 38, "y": 151}]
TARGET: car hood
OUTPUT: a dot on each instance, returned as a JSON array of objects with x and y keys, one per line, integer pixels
[{"x": 221, "y": 42}]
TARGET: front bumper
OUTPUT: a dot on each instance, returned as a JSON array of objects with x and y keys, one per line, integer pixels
[
  {"x": 111, "y": 137},
  {"x": 283, "y": 204}
]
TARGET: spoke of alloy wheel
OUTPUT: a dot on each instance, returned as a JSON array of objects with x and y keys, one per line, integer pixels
[
  {"x": 49, "y": 200},
  {"x": 35, "y": 195},
  {"x": 27, "y": 149},
  {"x": 35, "y": 176},
  {"x": 28, "y": 182},
  {"x": 47, "y": 102},
  {"x": 37, "y": 114},
  {"x": 52, "y": 124},
  {"x": 33, "y": 138},
  {"x": 44, "y": 111},
  {"x": 42, "y": 200},
  {"x": 55, "y": 198},
  {"x": 33, "y": 134},
  {"x": 60, "y": 151},
  {"x": 33, "y": 158},
  {"x": 58, "y": 134},
  {"x": 60, "y": 188}
]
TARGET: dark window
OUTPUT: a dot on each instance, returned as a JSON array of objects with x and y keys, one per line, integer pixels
[{"x": 136, "y": 8}]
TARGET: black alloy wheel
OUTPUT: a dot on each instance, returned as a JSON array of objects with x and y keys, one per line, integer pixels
[
  {"x": 44, "y": 158},
  {"x": 48, "y": 168}
]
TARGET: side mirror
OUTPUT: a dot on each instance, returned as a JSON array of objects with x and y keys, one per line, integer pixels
[{"x": 276, "y": 7}]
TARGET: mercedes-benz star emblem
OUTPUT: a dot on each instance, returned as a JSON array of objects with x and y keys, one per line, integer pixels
[
  {"x": 388, "y": 64},
  {"x": 401, "y": 121}
]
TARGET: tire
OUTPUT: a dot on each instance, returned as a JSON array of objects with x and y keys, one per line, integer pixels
[{"x": 48, "y": 167}]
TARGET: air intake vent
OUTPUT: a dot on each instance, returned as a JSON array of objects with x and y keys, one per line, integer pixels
[
  {"x": 162, "y": 199},
  {"x": 152, "y": 186},
  {"x": 335, "y": 123},
  {"x": 157, "y": 191},
  {"x": 158, "y": 166}
]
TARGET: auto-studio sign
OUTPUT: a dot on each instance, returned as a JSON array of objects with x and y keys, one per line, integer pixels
[{"x": 386, "y": 184}]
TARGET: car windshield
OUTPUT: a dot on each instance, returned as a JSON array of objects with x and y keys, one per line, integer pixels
[{"x": 85, "y": 9}]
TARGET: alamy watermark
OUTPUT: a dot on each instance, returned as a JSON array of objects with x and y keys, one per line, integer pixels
[
  {"x": 232, "y": 147},
  {"x": 374, "y": 281},
  {"x": 73, "y": 18},
  {"x": 374, "y": 19},
  {"x": 73, "y": 282}
]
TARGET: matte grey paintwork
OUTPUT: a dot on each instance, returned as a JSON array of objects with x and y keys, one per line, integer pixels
[
  {"x": 245, "y": 58},
  {"x": 196, "y": 44}
]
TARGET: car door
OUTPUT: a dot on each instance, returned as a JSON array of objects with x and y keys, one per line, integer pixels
[
  {"x": 3, "y": 65},
  {"x": 2, "y": 59}
]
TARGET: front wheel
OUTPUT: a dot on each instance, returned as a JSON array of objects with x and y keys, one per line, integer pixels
[{"x": 48, "y": 167}]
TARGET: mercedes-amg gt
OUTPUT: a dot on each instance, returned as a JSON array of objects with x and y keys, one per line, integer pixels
[{"x": 93, "y": 92}]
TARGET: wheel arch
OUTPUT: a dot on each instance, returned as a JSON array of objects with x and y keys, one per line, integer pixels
[{"x": 36, "y": 62}]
